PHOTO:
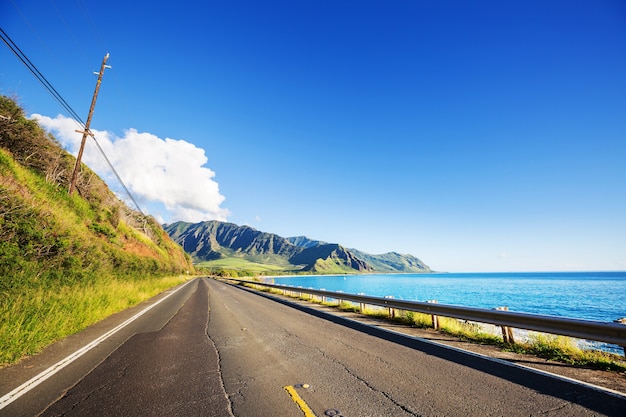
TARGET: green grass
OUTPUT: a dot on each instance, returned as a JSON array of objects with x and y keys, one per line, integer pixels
[
  {"x": 35, "y": 317},
  {"x": 557, "y": 348},
  {"x": 564, "y": 349}
]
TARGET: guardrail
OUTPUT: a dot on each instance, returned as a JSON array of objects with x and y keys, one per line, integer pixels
[{"x": 614, "y": 333}]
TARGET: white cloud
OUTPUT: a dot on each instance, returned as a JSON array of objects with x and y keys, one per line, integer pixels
[{"x": 166, "y": 171}]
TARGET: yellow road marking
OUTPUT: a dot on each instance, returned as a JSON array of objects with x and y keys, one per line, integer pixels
[{"x": 298, "y": 400}]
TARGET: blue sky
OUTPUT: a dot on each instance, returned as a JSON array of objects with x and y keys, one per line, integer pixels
[{"x": 477, "y": 136}]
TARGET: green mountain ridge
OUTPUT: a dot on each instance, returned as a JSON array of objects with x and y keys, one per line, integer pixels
[
  {"x": 305, "y": 242},
  {"x": 214, "y": 240}
]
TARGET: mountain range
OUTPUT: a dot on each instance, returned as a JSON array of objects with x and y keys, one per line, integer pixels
[{"x": 214, "y": 240}]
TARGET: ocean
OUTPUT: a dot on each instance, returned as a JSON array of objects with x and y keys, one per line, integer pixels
[{"x": 597, "y": 296}]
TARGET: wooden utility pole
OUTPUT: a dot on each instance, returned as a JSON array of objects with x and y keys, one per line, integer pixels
[{"x": 86, "y": 131}]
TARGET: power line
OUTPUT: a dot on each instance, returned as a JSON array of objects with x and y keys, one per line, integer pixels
[
  {"x": 39, "y": 76},
  {"x": 57, "y": 96}
]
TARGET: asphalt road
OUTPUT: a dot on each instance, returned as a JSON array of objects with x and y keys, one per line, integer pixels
[{"x": 212, "y": 349}]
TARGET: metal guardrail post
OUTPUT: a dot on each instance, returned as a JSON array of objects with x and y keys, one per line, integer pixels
[
  {"x": 622, "y": 321},
  {"x": 434, "y": 317},
  {"x": 507, "y": 332},
  {"x": 392, "y": 311},
  {"x": 361, "y": 305}
]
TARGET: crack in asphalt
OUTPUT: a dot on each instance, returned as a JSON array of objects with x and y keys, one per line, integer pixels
[
  {"x": 219, "y": 359},
  {"x": 374, "y": 389},
  {"x": 550, "y": 410},
  {"x": 355, "y": 375}
]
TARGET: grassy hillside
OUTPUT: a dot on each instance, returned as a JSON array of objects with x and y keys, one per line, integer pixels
[{"x": 67, "y": 261}]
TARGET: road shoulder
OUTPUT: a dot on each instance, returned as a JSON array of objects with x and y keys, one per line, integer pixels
[{"x": 611, "y": 381}]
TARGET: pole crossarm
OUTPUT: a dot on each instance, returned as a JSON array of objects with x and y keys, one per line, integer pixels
[{"x": 85, "y": 132}]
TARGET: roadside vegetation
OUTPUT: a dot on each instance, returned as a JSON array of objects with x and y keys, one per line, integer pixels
[
  {"x": 552, "y": 347},
  {"x": 34, "y": 318},
  {"x": 68, "y": 261}
]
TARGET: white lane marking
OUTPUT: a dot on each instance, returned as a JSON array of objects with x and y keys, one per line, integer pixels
[{"x": 33, "y": 382}]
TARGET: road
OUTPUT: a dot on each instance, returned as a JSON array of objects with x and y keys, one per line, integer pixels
[{"x": 212, "y": 349}]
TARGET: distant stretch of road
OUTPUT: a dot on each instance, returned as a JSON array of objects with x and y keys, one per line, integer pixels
[{"x": 212, "y": 349}]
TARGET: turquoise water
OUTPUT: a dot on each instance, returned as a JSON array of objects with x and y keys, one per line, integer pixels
[
  {"x": 582, "y": 295},
  {"x": 597, "y": 296}
]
